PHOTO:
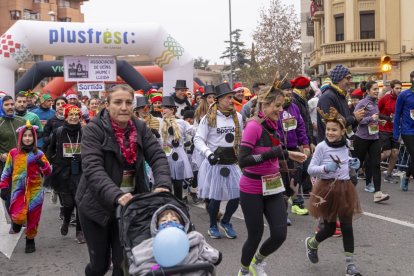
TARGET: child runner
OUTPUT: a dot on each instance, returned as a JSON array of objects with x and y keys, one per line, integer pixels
[
  {"x": 259, "y": 153},
  {"x": 333, "y": 195},
  {"x": 25, "y": 167}
]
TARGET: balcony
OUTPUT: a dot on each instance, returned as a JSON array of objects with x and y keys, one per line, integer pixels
[
  {"x": 317, "y": 10},
  {"x": 348, "y": 50}
]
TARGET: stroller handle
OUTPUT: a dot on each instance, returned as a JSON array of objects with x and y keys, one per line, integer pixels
[
  {"x": 207, "y": 267},
  {"x": 118, "y": 211}
]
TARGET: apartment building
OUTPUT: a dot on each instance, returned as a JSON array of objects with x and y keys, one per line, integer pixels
[{"x": 357, "y": 33}]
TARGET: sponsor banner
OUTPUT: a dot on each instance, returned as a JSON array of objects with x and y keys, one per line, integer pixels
[{"x": 78, "y": 69}]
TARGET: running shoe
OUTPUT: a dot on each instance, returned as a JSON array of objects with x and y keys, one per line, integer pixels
[
  {"x": 289, "y": 222},
  {"x": 257, "y": 269},
  {"x": 53, "y": 197},
  {"x": 228, "y": 230},
  {"x": 299, "y": 210},
  {"x": 361, "y": 176},
  {"x": 214, "y": 233},
  {"x": 312, "y": 253},
  {"x": 370, "y": 188},
  {"x": 380, "y": 197},
  {"x": 404, "y": 183},
  {"x": 80, "y": 238},
  {"x": 352, "y": 270},
  {"x": 243, "y": 274},
  {"x": 338, "y": 231},
  {"x": 388, "y": 178}
]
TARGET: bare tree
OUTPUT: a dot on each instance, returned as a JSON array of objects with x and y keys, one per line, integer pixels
[{"x": 277, "y": 39}]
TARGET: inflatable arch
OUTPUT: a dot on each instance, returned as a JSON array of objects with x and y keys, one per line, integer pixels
[{"x": 27, "y": 38}]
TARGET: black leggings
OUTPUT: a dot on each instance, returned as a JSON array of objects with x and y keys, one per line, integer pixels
[
  {"x": 103, "y": 244},
  {"x": 274, "y": 209},
  {"x": 409, "y": 145},
  {"x": 347, "y": 233},
  {"x": 373, "y": 148},
  {"x": 214, "y": 208},
  {"x": 178, "y": 188},
  {"x": 68, "y": 203}
]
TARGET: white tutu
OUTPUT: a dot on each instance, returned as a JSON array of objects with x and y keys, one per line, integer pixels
[
  {"x": 180, "y": 168},
  {"x": 213, "y": 185}
]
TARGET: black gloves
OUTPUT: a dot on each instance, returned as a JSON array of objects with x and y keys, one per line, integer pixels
[
  {"x": 212, "y": 159},
  {"x": 273, "y": 153},
  {"x": 187, "y": 144},
  {"x": 40, "y": 163}
]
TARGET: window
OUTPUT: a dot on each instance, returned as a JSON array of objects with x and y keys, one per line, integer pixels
[
  {"x": 367, "y": 23},
  {"x": 15, "y": 15},
  {"x": 30, "y": 15},
  {"x": 64, "y": 3},
  {"x": 65, "y": 19},
  {"x": 40, "y": 1},
  {"x": 339, "y": 28}
]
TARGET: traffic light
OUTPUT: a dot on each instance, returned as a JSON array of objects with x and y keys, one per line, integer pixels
[{"x": 386, "y": 64}]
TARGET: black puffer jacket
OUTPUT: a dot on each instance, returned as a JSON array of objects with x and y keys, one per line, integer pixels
[{"x": 102, "y": 164}]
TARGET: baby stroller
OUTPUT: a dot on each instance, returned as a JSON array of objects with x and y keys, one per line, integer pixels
[{"x": 134, "y": 227}]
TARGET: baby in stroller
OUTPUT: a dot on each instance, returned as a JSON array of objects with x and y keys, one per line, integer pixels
[{"x": 169, "y": 215}]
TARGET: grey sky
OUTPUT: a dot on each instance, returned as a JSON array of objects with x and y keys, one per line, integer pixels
[{"x": 201, "y": 26}]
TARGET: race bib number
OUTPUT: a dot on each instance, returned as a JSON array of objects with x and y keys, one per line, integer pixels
[
  {"x": 373, "y": 129},
  {"x": 289, "y": 124},
  {"x": 272, "y": 184},
  {"x": 128, "y": 179},
  {"x": 71, "y": 149},
  {"x": 412, "y": 114}
]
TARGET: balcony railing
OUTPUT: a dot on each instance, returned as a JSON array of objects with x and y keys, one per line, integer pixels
[
  {"x": 348, "y": 50},
  {"x": 316, "y": 8}
]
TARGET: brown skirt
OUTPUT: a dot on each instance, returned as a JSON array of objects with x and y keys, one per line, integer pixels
[{"x": 331, "y": 199}]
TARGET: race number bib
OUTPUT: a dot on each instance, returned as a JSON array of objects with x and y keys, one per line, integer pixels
[
  {"x": 128, "y": 179},
  {"x": 412, "y": 114},
  {"x": 373, "y": 129},
  {"x": 289, "y": 124},
  {"x": 71, "y": 149},
  {"x": 272, "y": 184}
]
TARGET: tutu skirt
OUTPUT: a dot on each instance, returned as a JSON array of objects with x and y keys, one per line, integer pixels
[
  {"x": 180, "y": 166},
  {"x": 219, "y": 182},
  {"x": 331, "y": 199}
]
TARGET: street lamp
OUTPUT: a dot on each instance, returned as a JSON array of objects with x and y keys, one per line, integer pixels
[{"x": 231, "y": 49}]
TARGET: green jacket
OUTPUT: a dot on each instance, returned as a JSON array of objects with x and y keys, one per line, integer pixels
[
  {"x": 34, "y": 121},
  {"x": 8, "y": 134}
]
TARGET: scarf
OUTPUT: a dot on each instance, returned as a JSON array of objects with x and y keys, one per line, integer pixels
[
  {"x": 21, "y": 113},
  {"x": 127, "y": 140},
  {"x": 300, "y": 93},
  {"x": 336, "y": 144},
  {"x": 72, "y": 129},
  {"x": 170, "y": 122},
  {"x": 339, "y": 90},
  {"x": 212, "y": 122},
  {"x": 60, "y": 117},
  {"x": 179, "y": 101},
  {"x": 270, "y": 127}
]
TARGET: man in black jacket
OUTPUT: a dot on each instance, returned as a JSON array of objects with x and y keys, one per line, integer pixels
[{"x": 113, "y": 151}]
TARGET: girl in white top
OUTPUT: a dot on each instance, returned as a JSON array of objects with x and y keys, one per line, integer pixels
[{"x": 217, "y": 139}]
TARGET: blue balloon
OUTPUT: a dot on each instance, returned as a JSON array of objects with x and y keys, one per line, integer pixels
[{"x": 170, "y": 246}]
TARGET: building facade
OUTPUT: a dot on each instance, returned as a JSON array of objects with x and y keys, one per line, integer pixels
[
  {"x": 306, "y": 36},
  {"x": 38, "y": 10},
  {"x": 357, "y": 33}
]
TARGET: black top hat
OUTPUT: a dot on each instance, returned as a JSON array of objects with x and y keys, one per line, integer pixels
[
  {"x": 208, "y": 90},
  {"x": 179, "y": 84},
  {"x": 141, "y": 102},
  {"x": 168, "y": 101},
  {"x": 223, "y": 89}
]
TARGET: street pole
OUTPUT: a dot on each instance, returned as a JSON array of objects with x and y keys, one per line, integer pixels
[{"x": 231, "y": 49}]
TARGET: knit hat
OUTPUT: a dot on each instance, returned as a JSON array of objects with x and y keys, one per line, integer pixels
[
  {"x": 357, "y": 94},
  {"x": 237, "y": 87},
  {"x": 44, "y": 98},
  {"x": 339, "y": 73},
  {"x": 70, "y": 108},
  {"x": 71, "y": 94},
  {"x": 21, "y": 130},
  {"x": 300, "y": 82},
  {"x": 154, "y": 96}
]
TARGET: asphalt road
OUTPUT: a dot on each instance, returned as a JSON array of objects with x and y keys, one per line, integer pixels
[{"x": 384, "y": 243}]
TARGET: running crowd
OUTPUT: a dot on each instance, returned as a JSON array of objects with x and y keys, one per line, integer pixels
[{"x": 263, "y": 149}]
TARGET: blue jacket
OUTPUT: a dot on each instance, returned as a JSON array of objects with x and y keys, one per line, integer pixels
[{"x": 403, "y": 123}]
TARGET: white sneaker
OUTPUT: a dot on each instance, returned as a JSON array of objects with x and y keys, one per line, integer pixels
[
  {"x": 380, "y": 196},
  {"x": 257, "y": 269}
]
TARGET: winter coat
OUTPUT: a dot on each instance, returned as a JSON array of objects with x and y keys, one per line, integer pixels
[
  {"x": 305, "y": 113},
  {"x": 44, "y": 115},
  {"x": 62, "y": 179},
  {"x": 331, "y": 97},
  {"x": 103, "y": 163},
  {"x": 371, "y": 108},
  {"x": 8, "y": 135},
  {"x": 403, "y": 118},
  {"x": 52, "y": 124},
  {"x": 293, "y": 138},
  {"x": 200, "y": 251}
]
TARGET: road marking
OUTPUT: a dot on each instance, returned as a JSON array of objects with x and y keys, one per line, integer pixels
[
  {"x": 8, "y": 242},
  {"x": 396, "y": 221}
]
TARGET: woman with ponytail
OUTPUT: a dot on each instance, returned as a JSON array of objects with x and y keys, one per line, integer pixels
[{"x": 261, "y": 186}]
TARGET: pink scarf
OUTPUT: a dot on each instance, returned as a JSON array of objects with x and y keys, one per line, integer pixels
[{"x": 130, "y": 152}]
